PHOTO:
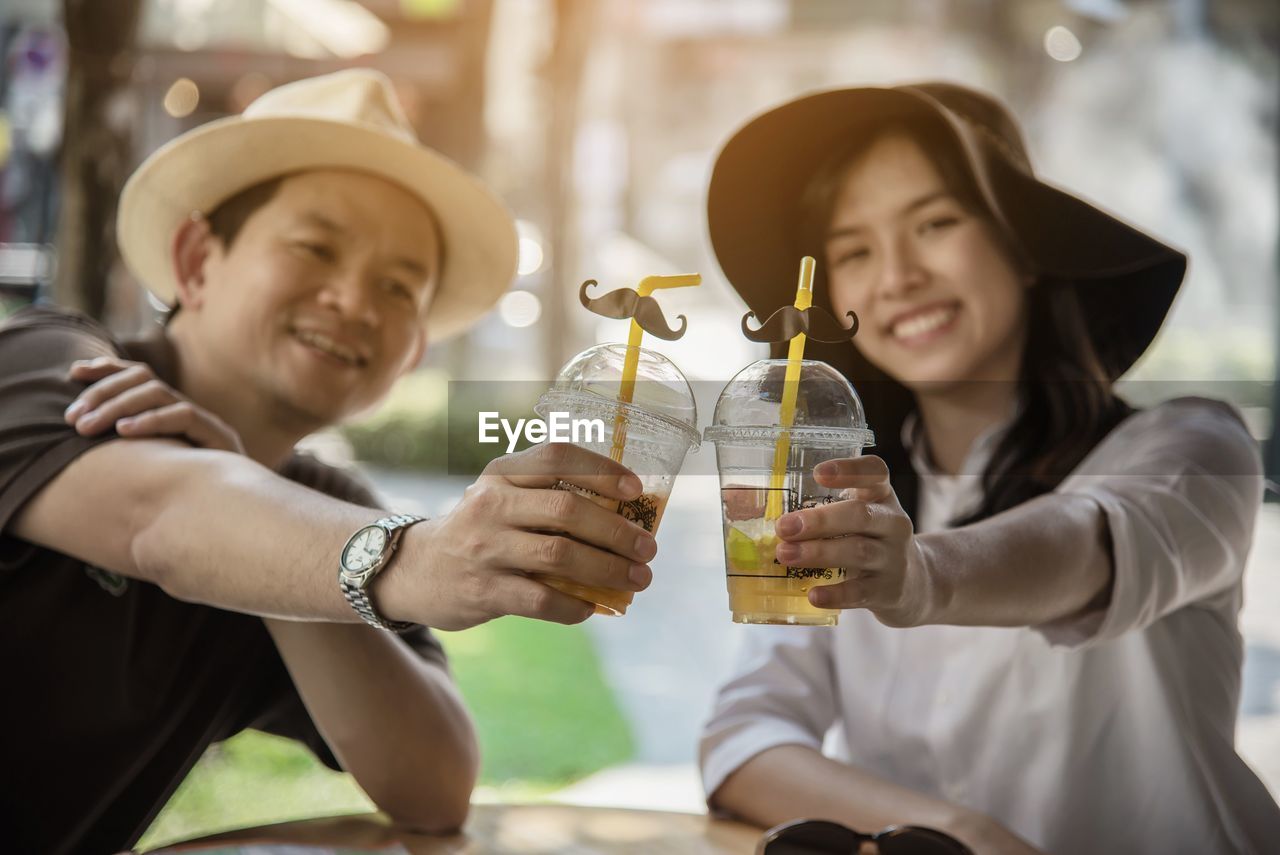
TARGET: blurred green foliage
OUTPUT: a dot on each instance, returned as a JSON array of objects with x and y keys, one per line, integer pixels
[
  {"x": 253, "y": 779},
  {"x": 428, "y": 424},
  {"x": 545, "y": 718},
  {"x": 10, "y": 304},
  {"x": 543, "y": 708}
]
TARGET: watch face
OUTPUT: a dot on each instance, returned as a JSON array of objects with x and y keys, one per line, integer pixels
[{"x": 365, "y": 549}]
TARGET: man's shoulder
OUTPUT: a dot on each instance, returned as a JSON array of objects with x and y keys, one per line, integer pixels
[
  {"x": 340, "y": 481},
  {"x": 53, "y": 318},
  {"x": 44, "y": 334}
]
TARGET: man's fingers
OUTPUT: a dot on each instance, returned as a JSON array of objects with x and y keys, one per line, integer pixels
[
  {"x": 842, "y": 518},
  {"x": 149, "y": 395},
  {"x": 550, "y": 463},
  {"x": 556, "y": 555},
  {"x": 106, "y": 389},
  {"x": 514, "y": 594},
  {"x": 581, "y": 517}
]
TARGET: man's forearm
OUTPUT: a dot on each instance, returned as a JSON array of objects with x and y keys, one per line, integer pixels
[
  {"x": 396, "y": 722},
  {"x": 1045, "y": 559},
  {"x": 265, "y": 544},
  {"x": 206, "y": 526}
]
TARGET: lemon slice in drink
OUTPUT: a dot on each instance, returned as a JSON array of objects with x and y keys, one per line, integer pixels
[{"x": 751, "y": 544}]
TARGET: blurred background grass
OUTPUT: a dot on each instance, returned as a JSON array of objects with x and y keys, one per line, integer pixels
[{"x": 545, "y": 717}]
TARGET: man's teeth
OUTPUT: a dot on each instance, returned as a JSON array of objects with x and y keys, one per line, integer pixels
[
  {"x": 320, "y": 341},
  {"x": 921, "y": 324}
]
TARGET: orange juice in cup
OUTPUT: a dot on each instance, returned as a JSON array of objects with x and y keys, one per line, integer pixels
[
  {"x": 647, "y": 424},
  {"x": 766, "y": 470}
]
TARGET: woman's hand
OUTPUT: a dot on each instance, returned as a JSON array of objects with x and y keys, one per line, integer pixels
[
  {"x": 129, "y": 397},
  {"x": 869, "y": 535}
]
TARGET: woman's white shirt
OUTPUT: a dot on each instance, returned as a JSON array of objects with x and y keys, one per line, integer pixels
[{"x": 1108, "y": 732}]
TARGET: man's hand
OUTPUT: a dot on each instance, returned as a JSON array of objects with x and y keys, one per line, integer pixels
[
  {"x": 870, "y": 536},
  {"x": 471, "y": 565},
  {"x": 129, "y": 397}
]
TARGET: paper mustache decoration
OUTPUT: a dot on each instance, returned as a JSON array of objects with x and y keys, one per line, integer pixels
[
  {"x": 625, "y": 303},
  {"x": 788, "y": 322}
]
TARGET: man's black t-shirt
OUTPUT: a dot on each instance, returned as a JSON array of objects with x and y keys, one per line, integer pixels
[{"x": 111, "y": 688}]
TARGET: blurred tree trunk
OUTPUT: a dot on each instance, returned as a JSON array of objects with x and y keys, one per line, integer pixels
[
  {"x": 466, "y": 139},
  {"x": 472, "y": 56},
  {"x": 1271, "y": 463},
  {"x": 96, "y": 149},
  {"x": 574, "y": 21}
]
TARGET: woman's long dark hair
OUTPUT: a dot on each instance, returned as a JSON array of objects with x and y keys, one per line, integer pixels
[{"x": 1068, "y": 403}]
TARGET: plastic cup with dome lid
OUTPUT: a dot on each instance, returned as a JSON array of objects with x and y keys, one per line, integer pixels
[
  {"x": 645, "y": 418},
  {"x": 774, "y": 422}
]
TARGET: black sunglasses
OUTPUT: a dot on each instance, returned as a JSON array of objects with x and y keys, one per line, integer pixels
[{"x": 820, "y": 837}]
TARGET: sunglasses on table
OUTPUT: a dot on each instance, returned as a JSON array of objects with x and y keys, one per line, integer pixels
[{"x": 820, "y": 837}]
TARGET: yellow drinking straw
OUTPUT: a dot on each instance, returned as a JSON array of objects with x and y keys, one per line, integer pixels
[
  {"x": 790, "y": 386},
  {"x": 631, "y": 363}
]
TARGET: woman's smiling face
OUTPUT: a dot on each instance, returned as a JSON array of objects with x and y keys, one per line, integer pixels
[{"x": 939, "y": 298}]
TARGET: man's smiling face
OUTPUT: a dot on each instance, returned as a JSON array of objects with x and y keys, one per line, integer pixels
[{"x": 319, "y": 301}]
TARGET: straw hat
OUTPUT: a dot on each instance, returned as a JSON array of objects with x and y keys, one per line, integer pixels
[
  {"x": 1126, "y": 279},
  {"x": 346, "y": 120}
]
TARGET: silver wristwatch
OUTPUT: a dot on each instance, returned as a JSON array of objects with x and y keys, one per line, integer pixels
[{"x": 367, "y": 552}]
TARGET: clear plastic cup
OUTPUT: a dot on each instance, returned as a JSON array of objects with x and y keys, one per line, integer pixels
[
  {"x": 650, "y": 434},
  {"x": 829, "y": 423}
]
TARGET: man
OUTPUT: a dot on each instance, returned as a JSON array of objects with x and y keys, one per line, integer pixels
[{"x": 159, "y": 596}]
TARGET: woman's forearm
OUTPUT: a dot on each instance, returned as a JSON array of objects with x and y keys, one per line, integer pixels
[
  {"x": 1046, "y": 559},
  {"x": 795, "y": 781}
]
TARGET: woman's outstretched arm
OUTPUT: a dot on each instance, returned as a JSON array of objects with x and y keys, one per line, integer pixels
[{"x": 1160, "y": 518}]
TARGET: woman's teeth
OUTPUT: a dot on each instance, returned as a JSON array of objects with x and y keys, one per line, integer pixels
[
  {"x": 920, "y": 324},
  {"x": 322, "y": 342}
]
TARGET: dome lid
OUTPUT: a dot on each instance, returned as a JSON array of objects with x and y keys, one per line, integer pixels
[{"x": 828, "y": 411}]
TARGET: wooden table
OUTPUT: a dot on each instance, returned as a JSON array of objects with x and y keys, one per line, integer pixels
[{"x": 528, "y": 830}]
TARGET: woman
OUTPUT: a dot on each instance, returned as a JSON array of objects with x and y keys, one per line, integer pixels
[{"x": 1040, "y": 649}]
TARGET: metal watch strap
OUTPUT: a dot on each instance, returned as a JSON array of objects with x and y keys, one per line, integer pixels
[{"x": 359, "y": 597}]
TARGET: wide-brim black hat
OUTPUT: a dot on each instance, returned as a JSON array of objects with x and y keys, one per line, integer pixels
[{"x": 1126, "y": 279}]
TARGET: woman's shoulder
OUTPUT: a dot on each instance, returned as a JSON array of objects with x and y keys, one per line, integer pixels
[
  {"x": 1189, "y": 414},
  {"x": 1206, "y": 433}
]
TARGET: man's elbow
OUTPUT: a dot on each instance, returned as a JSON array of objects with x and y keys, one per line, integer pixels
[
  {"x": 438, "y": 801},
  {"x": 437, "y": 819},
  {"x": 429, "y": 810}
]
